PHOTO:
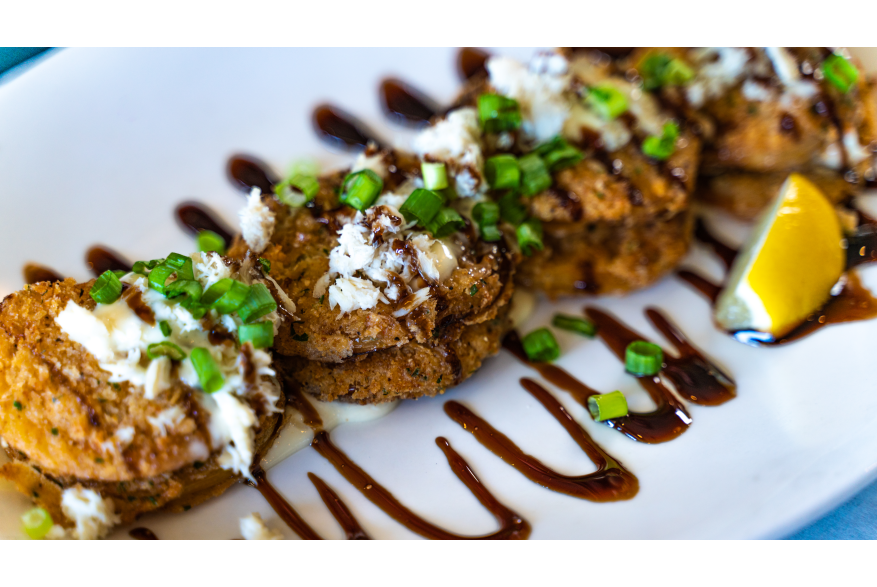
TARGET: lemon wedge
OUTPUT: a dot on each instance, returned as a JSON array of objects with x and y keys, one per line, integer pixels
[{"x": 788, "y": 267}]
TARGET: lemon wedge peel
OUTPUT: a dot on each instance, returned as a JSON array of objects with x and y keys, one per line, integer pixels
[{"x": 787, "y": 270}]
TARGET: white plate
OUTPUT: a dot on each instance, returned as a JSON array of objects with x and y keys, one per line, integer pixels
[{"x": 98, "y": 146}]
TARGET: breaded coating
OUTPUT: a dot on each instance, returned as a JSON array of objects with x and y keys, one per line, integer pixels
[
  {"x": 65, "y": 424},
  {"x": 405, "y": 372}
]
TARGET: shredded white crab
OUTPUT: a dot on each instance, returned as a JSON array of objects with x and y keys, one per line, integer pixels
[
  {"x": 257, "y": 222},
  {"x": 92, "y": 515}
]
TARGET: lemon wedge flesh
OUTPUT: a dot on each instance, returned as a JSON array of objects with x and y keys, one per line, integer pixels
[{"x": 787, "y": 268}]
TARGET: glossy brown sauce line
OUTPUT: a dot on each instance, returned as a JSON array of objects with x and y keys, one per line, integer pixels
[
  {"x": 34, "y": 273},
  {"x": 194, "y": 217},
  {"x": 666, "y": 422},
  {"x": 610, "y": 482},
  {"x": 724, "y": 252},
  {"x": 341, "y": 129},
  {"x": 282, "y": 507},
  {"x": 404, "y": 104},
  {"x": 471, "y": 61},
  {"x": 246, "y": 172},
  {"x": 709, "y": 289},
  {"x": 100, "y": 259},
  {"x": 134, "y": 299},
  {"x": 339, "y": 510},
  {"x": 295, "y": 399},
  {"x": 142, "y": 534},
  {"x": 512, "y": 526}
]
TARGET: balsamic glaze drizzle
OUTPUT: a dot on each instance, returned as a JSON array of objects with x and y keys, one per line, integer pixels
[
  {"x": 404, "y": 104},
  {"x": 34, "y": 273},
  {"x": 142, "y": 534},
  {"x": 247, "y": 172},
  {"x": 194, "y": 217},
  {"x": 100, "y": 259},
  {"x": 342, "y": 130}
]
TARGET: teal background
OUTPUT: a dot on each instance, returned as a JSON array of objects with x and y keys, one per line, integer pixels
[{"x": 855, "y": 520}]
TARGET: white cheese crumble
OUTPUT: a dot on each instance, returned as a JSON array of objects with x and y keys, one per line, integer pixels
[
  {"x": 92, "y": 515},
  {"x": 718, "y": 69},
  {"x": 254, "y": 528},
  {"x": 455, "y": 140},
  {"x": 257, "y": 222},
  {"x": 118, "y": 339},
  {"x": 784, "y": 65},
  {"x": 539, "y": 89},
  {"x": 376, "y": 163}
]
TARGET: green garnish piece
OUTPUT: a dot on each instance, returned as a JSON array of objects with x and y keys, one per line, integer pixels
[
  {"x": 643, "y": 358},
  {"x": 498, "y": 113},
  {"x": 662, "y": 147},
  {"x": 209, "y": 241},
  {"x": 529, "y": 235},
  {"x": 208, "y": 372},
  {"x": 181, "y": 264},
  {"x": 607, "y": 101},
  {"x": 37, "y": 523},
  {"x": 258, "y": 303},
  {"x": 534, "y": 174},
  {"x": 107, "y": 289},
  {"x": 660, "y": 70},
  {"x": 165, "y": 348},
  {"x": 541, "y": 346},
  {"x": 186, "y": 287},
  {"x": 435, "y": 175},
  {"x": 260, "y": 334},
  {"x": 842, "y": 74},
  {"x": 607, "y": 406},
  {"x": 445, "y": 223},
  {"x": 422, "y": 205},
  {"x": 581, "y": 326},
  {"x": 361, "y": 189},
  {"x": 502, "y": 172},
  {"x": 266, "y": 265},
  {"x": 165, "y": 328}
]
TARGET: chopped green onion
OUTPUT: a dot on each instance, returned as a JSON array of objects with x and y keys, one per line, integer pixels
[
  {"x": 297, "y": 190},
  {"x": 842, "y": 74},
  {"x": 607, "y": 100},
  {"x": 233, "y": 297},
  {"x": 541, "y": 346},
  {"x": 446, "y": 222},
  {"x": 662, "y": 147},
  {"x": 196, "y": 308},
  {"x": 558, "y": 154},
  {"x": 165, "y": 328},
  {"x": 187, "y": 287},
  {"x": 607, "y": 406},
  {"x": 17, "y": 405},
  {"x": 581, "y": 326},
  {"x": 535, "y": 176},
  {"x": 141, "y": 266},
  {"x": 216, "y": 291},
  {"x": 511, "y": 209},
  {"x": 643, "y": 358},
  {"x": 182, "y": 265},
  {"x": 361, "y": 189},
  {"x": 422, "y": 205},
  {"x": 208, "y": 241},
  {"x": 498, "y": 113},
  {"x": 260, "y": 334},
  {"x": 120, "y": 273},
  {"x": 486, "y": 213},
  {"x": 529, "y": 235},
  {"x": 208, "y": 372},
  {"x": 490, "y": 233},
  {"x": 37, "y": 523},
  {"x": 502, "y": 172},
  {"x": 258, "y": 303},
  {"x": 266, "y": 265},
  {"x": 165, "y": 349},
  {"x": 435, "y": 175},
  {"x": 106, "y": 289},
  {"x": 662, "y": 70},
  {"x": 159, "y": 276}
]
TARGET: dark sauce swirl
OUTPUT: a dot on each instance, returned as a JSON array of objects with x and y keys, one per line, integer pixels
[
  {"x": 342, "y": 130},
  {"x": 100, "y": 259},
  {"x": 247, "y": 172},
  {"x": 405, "y": 104},
  {"x": 194, "y": 217},
  {"x": 34, "y": 273}
]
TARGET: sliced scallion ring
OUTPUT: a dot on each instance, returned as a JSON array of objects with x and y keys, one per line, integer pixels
[
  {"x": 581, "y": 326},
  {"x": 607, "y": 101},
  {"x": 534, "y": 174},
  {"x": 643, "y": 358},
  {"x": 361, "y": 189},
  {"x": 208, "y": 241},
  {"x": 182, "y": 265},
  {"x": 196, "y": 308},
  {"x": 486, "y": 213},
  {"x": 165, "y": 328},
  {"x": 446, "y": 222},
  {"x": 557, "y": 154},
  {"x": 187, "y": 287},
  {"x": 490, "y": 233},
  {"x": 106, "y": 289},
  {"x": 209, "y": 375},
  {"x": 37, "y": 523},
  {"x": 435, "y": 175},
  {"x": 260, "y": 334},
  {"x": 498, "y": 113},
  {"x": 541, "y": 346},
  {"x": 840, "y": 73},
  {"x": 266, "y": 265},
  {"x": 422, "y": 205},
  {"x": 167, "y": 349},
  {"x": 529, "y": 235},
  {"x": 607, "y": 406},
  {"x": 511, "y": 209},
  {"x": 232, "y": 299},
  {"x": 502, "y": 172},
  {"x": 662, "y": 147},
  {"x": 159, "y": 276},
  {"x": 258, "y": 303}
]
